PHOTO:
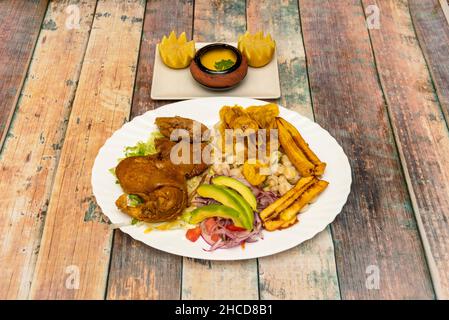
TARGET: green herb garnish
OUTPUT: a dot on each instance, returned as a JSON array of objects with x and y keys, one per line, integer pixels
[
  {"x": 134, "y": 221},
  {"x": 223, "y": 64},
  {"x": 134, "y": 200},
  {"x": 112, "y": 171}
]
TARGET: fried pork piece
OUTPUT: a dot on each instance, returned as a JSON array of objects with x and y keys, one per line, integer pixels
[
  {"x": 164, "y": 204},
  {"x": 159, "y": 183},
  {"x": 168, "y": 124},
  {"x": 164, "y": 147},
  {"x": 143, "y": 174}
]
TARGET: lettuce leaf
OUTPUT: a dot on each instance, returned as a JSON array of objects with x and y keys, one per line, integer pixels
[{"x": 143, "y": 148}]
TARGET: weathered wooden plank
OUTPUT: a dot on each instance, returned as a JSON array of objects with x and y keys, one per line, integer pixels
[
  {"x": 421, "y": 132},
  {"x": 219, "y": 21},
  {"x": 432, "y": 30},
  {"x": 75, "y": 250},
  {"x": 307, "y": 271},
  {"x": 377, "y": 245},
  {"x": 20, "y": 23},
  {"x": 138, "y": 271},
  {"x": 445, "y": 7},
  {"x": 31, "y": 151},
  {"x": 162, "y": 17},
  {"x": 219, "y": 280}
]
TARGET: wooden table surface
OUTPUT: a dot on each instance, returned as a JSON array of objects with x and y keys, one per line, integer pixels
[{"x": 72, "y": 72}]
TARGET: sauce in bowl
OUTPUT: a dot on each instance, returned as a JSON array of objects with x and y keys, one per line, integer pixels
[
  {"x": 218, "y": 59},
  {"x": 219, "y": 66}
]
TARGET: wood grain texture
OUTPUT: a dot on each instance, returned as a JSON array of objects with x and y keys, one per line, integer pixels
[
  {"x": 31, "y": 151},
  {"x": 445, "y": 7},
  {"x": 138, "y": 271},
  {"x": 219, "y": 280},
  {"x": 307, "y": 271},
  {"x": 432, "y": 30},
  {"x": 219, "y": 21},
  {"x": 75, "y": 250},
  {"x": 421, "y": 132},
  {"x": 376, "y": 234},
  {"x": 161, "y": 18},
  {"x": 20, "y": 23}
]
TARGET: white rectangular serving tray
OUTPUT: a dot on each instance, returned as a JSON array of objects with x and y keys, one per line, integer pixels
[{"x": 178, "y": 84}]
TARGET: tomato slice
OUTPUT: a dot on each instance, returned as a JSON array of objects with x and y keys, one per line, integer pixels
[
  {"x": 193, "y": 234},
  {"x": 209, "y": 224},
  {"x": 215, "y": 237},
  {"x": 232, "y": 227}
]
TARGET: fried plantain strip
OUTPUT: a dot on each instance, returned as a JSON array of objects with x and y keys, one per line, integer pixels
[
  {"x": 289, "y": 197},
  {"x": 289, "y": 223},
  {"x": 272, "y": 225},
  {"x": 294, "y": 153},
  {"x": 306, "y": 184},
  {"x": 304, "y": 147},
  {"x": 307, "y": 196}
]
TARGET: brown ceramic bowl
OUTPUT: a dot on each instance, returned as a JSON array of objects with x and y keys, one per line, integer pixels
[{"x": 223, "y": 79}]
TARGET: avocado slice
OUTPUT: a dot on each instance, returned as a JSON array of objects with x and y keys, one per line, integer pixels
[
  {"x": 238, "y": 186},
  {"x": 226, "y": 197},
  {"x": 216, "y": 210},
  {"x": 242, "y": 202}
]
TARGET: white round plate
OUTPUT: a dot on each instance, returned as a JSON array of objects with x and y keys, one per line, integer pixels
[{"x": 321, "y": 213}]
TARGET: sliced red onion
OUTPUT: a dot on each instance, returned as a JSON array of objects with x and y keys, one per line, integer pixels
[
  {"x": 264, "y": 198},
  {"x": 202, "y": 201},
  {"x": 229, "y": 238}
]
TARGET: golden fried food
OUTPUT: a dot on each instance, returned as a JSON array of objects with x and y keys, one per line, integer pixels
[
  {"x": 265, "y": 115},
  {"x": 228, "y": 114},
  {"x": 289, "y": 223},
  {"x": 272, "y": 225},
  {"x": 283, "y": 212},
  {"x": 287, "y": 199},
  {"x": 159, "y": 184},
  {"x": 298, "y": 150},
  {"x": 306, "y": 197},
  {"x": 164, "y": 147},
  {"x": 143, "y": 174},
  {"x": 296, "y": 156},
  {"x": 244, "y": 123},
  {"x": 164, "y": 204},
  {"x": 155, "y": 180},
  {"x": 167, "y": 125},
  {"x": 254, "y": 118},
  {"x": 251, "y": 172}
]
